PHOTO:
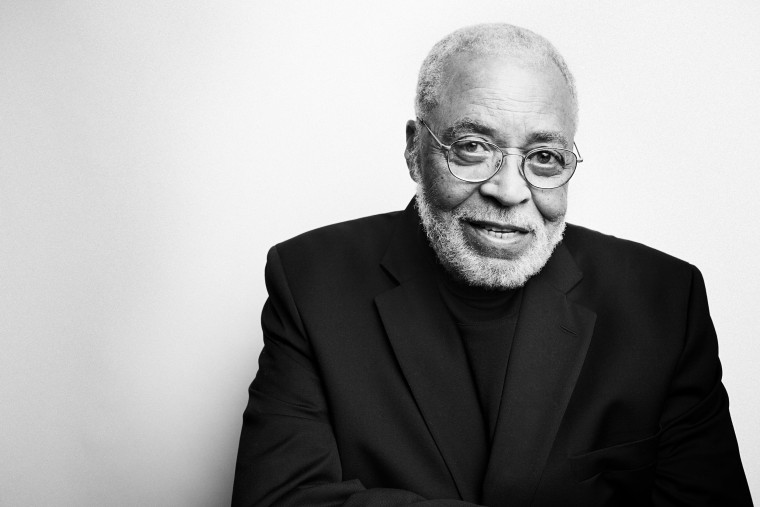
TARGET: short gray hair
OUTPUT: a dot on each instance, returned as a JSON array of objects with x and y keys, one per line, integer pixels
[{"x": 489, "y": 39}]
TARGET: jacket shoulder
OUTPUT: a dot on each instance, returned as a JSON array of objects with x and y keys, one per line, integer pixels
[
  {"x": 367, "y": 234},
  {"x": 338, "y": 255},
  {"x": 596, "y": 252}
]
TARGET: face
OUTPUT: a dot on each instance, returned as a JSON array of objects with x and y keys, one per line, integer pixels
[{"x": 498, "y": 233}]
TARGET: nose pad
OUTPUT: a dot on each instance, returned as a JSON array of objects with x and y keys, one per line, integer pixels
[{"x": 508, "y": 185}]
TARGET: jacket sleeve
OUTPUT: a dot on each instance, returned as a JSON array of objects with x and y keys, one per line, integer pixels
[
  {"x": 698, "y": 459},
  {"x": 287, "y": 453}
]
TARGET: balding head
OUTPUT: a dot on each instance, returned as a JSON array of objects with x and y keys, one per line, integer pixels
[{"x": 493, "y": 39}]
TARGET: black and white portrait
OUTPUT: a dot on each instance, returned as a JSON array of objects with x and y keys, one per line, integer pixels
[{"x": 152, "y": 153}]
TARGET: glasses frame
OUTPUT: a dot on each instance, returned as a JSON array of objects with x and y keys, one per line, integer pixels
[{"x": 447, "y": 149}]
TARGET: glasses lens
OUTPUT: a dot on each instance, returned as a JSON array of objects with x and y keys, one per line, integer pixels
[
  {"x": 473, "y": 160},
  {"x": 549, "y": 168}
]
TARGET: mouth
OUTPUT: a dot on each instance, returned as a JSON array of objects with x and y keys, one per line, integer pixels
[
  {"x": 498, "y": 230},
  {"x": 497, "y": 239}
]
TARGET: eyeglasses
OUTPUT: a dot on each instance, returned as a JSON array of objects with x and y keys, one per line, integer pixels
[{"x": 475, "y": 161}]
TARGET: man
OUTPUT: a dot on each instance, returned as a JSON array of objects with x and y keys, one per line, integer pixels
[{"x": 473, "y": 349}]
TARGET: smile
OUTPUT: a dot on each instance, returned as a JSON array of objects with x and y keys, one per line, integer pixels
[
  {"x": 496, "y": 239},
  {"x": 499, "y": 230}
]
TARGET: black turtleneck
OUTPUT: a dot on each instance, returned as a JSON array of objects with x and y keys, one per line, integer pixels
[{"x": 486, "y": 320}]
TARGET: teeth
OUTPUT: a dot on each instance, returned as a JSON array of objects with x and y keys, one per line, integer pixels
[
  {"x": 499, "y": 234},
  {"x": 500, "y": 231}
]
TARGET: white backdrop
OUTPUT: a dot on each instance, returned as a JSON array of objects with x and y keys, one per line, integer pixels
[{"x": 151, "y": 153}]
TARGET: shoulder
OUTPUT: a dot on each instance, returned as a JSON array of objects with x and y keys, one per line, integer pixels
[
  {"x": 603, "y": 256},
  {"x": 352, "y": 237},
  {"x": 582, "y": 240},
  {"x": 336, "y": 255}
]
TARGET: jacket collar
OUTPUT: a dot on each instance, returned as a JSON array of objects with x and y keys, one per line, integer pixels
[
  {"x": 549, "y": 348},
  {"x": 408, "y": 253},
  {"x": 430, "y": 352}
]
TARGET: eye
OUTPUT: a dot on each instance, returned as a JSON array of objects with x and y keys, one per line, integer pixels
[
  {"x": 546, "y": 163},
  {"x": 472, "y": 147},
  {"x": 547, "y": 157},
  {"x": 470, "y": 151}
]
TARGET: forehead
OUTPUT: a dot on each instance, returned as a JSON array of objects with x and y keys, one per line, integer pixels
[{"x": 512, "y": 95}]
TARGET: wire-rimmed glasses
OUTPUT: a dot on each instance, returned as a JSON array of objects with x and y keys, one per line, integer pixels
[{"x": 474, "y": 160}]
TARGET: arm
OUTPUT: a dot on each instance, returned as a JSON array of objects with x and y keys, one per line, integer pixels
[
  {"x": 288, "y": 454},
  {"x": 698, "y": 461}
]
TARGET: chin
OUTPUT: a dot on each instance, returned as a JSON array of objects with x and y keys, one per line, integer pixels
[{"x": 466, "y": 263}]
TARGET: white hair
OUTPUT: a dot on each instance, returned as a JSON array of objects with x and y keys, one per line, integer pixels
[{"x": 489, "y": 39}]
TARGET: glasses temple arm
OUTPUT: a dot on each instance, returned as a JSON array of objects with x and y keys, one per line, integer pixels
[
  {"x": 580, "y": 157},
  {"x": 446, "y": 147}
]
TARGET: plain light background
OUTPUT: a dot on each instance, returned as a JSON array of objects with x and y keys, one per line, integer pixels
[{"x": 152, "y": 152}]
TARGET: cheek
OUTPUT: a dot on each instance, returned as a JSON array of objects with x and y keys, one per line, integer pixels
[
  {"x": 442, "y": 190},
  {"x": 552, "y": 204}
]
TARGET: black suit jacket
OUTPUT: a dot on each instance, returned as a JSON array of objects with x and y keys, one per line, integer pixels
[{"x": 364, "y": 395}]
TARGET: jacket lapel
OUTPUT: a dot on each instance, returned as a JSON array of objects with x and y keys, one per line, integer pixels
[
  {"x": 432, "y": 358},
  {"x": 549, "y": 348}
]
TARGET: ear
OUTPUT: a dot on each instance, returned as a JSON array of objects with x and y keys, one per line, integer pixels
[{"x": 411, "y": 133}]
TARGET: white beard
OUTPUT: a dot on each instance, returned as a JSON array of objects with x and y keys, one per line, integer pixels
[{"x": 459, "y": 257}]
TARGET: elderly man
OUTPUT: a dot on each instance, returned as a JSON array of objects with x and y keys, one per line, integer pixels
[{"x": 473, "y": 349}]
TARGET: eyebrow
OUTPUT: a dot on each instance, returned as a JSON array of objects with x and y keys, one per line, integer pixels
[
  {"x": 467, "y": 125},
  {"x": 548, "y": 136}
]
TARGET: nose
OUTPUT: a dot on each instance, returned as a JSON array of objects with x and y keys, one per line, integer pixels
[{"x": 507, "y": 186}]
